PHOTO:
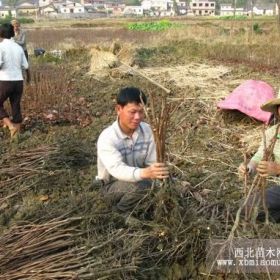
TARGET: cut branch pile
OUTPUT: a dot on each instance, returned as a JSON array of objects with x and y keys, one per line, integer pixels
[
  {"x": 23, "y": 167},
  {"x": 52, "y": 251},
  {"x": 62, "y": 249},
  {"x": 50, "y": 97},
  {"x": 47, "y": 91}
]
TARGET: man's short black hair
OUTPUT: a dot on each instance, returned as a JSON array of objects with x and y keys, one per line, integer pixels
[
  {"x": 6, "y": 31},
  {"x": 131, "y": 95}
]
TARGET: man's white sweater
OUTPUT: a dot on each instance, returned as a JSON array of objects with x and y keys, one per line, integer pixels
[{"x": 121, "y": 157}]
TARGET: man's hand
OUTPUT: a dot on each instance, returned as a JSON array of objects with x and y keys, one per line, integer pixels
[
  {"x": 157, "y": 170},
  {"x": 242, "y": 170},
  {"x": 28, "y": 77},
  {"x": 268, "y": 168},
  {"x": 250, "y": 168}
]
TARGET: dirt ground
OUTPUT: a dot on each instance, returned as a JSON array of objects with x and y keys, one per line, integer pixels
[{"x": 47, "y": 175}]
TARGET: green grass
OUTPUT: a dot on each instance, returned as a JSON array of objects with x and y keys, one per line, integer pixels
[
  {"x": 236, "y": 17},
  {"x": 152, "y": 26},
  {"x": 21, "y": 20}
]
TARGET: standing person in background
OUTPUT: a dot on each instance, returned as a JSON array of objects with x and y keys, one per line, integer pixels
[
  {"x": 20, "y": 36},
  {"x": 12, "y": 61}
]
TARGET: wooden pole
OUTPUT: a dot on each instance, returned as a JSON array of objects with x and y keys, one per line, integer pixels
[{"x": 147, "y": 78}]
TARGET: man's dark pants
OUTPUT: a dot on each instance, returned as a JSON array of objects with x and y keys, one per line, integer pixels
[
  {"x": 12, "y": 90},
  {"x": 125, "y": 195},
  {"x": 272, "y": 198},
  {"x": 273, "y": 202}
]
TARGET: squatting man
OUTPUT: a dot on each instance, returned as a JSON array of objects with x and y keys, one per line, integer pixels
[
  {"x": 268, "y": 168},
  {"x": 127, "y": 154}
]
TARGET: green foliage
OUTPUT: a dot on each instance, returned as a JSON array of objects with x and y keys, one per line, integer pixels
[
  {"x": 48, "y": 58},
  {"x": 144, "y": 55},
  {"x": 152, "y": 26},
  {"x": 257, "y": 29},
  {"x": 83, "y": 25},
  {"x": 132, "y": 2},
  {"x": 5, "y": 20},
  {"x": 236, "y": 17},
  {"x": 26, "y": 20},
  {"x": 21, "y": 20}
]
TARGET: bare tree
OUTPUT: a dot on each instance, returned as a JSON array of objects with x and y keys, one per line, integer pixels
[
  {"x": 277, "y": 2},
  {"x": 234, "y": 18},
  {"x": 12, "y": 4},
  {"x": 251, "y": 6},
  {"x": 176, "y": 8}
]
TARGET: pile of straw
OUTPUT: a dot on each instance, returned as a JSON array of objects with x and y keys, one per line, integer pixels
[{"x": 101, "y": 62}]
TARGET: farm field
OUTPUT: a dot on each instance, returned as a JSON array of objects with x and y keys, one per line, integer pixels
[{"x": 54, "y": 223}]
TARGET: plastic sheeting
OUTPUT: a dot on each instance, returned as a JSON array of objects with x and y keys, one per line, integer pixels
[{"x": 248, "y": 97}]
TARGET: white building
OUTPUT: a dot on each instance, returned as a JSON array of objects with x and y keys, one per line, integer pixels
[
  {"x": 7, "y": 11},
  {"x": 133, "y": 10},
  {"x": 43, "y": 3},
  {"x": 27, "y": 9},
  {"x": 48, "y": 10},
  {"x": 70, "y": 7},
  {"x": 228, "y": 10},
  {"x": 163, "y": 7},
  {"x": 203, "y": 7},
  {"x": 264, "y": 10},
  {"x": 97, "y": 3},
  {"x": 260, "y": 9},
  {"x": 157, "y": 5},
  {"x": 167, "y": 13},
  {"x": 182, "y": 7}
]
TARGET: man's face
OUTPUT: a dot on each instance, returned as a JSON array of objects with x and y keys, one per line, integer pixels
[
  {"x": 16, "y": 26},
  {"x": 130, "y": 116}
]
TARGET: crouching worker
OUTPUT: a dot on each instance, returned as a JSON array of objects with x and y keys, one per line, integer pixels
[
  {"x": 127, "y": 154},
  {"x": 268, "y": 168}
]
